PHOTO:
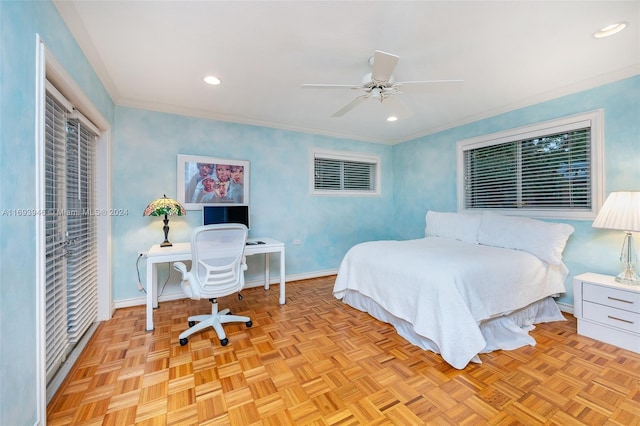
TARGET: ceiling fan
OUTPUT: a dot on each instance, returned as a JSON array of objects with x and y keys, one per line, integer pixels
[{"x": 378, "y": 84}]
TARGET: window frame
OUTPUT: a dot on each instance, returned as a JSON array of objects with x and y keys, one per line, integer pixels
[
  {"x": 594, "y": 119},
  {"x": 345, "y": 156}
]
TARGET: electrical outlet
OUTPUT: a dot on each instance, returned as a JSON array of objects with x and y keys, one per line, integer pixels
[
  {"x": 297, "y": 242},
  {"x": 140, "y": 288}
]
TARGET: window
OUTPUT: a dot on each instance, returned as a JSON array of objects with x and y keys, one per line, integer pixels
[
  {"x": 552, "y": 169},
  {"x": 339, "y": 173},
  {"x": 70, "y": 227}
]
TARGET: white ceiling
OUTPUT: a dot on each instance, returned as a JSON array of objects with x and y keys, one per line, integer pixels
[{"x": 154, "y": 55}]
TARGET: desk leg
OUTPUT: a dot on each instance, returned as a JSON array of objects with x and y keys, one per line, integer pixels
[
  {"x": 267, "y": 274},
  {"x": 282, "y": 274},
  {"x": 151, "y": 286},
  {"x": 154, "y": 285}
]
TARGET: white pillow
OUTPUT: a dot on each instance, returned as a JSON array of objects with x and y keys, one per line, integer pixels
[
  {"x": 545, "y": 240},
  {"x": 458, "y": 226}
]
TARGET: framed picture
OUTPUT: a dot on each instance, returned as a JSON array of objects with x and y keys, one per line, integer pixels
[{"x": 210, "y": 181}]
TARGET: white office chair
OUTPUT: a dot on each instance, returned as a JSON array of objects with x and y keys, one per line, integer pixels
[{"x": 217, "y": 269}]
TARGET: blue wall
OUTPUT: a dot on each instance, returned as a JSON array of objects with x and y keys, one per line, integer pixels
[
  {"x": 417, "y": 176},
  {"x": 20, "y": 21},
  {"x": 145, "y": 149},
  {"x": 425, "y": 169}
]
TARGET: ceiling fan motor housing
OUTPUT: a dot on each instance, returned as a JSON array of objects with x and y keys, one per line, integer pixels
[{"x": 368, "y": 82}]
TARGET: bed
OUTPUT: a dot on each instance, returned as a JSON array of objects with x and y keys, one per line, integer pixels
[{"x": 474, "y": 284}]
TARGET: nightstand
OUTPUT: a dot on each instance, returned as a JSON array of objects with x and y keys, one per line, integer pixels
[{"x": 607, "y": 310}]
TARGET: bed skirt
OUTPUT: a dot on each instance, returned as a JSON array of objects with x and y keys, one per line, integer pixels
[{"x": 506, "y": 332}]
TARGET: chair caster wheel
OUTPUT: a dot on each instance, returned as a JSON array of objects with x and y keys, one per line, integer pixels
[
  {"x": 249, "y": 323},
  {"x": 192, "y": 323},
  {"x": 224, "y": 341},
  {"x": 184, "y": 341}
]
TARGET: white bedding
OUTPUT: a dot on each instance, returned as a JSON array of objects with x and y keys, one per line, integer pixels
[{"x": 444, "y": 292}]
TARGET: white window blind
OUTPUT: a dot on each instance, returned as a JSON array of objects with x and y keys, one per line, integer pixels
[
  {"x": 335, "y": 173},
  {"x": 57, "y": 341},
  {"x": 82, "y": 280},
  {"x": 70, "y": 228},
  {"x": 548, "y": 170}
]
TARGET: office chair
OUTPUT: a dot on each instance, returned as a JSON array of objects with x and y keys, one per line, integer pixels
[{"x": 217, "y": 269}]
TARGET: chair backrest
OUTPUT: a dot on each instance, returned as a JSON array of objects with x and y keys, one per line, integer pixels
[{"x": 217, "y": 258}]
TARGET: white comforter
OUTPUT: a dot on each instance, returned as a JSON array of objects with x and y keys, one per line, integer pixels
[{"x": 445, "y": 288}]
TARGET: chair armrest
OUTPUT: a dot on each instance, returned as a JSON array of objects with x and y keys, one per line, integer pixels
[
  {"x": 190, "y": 290},
  {"x": 180, "y": 267}
]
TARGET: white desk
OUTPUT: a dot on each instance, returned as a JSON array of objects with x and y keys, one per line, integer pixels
[{"x": 182, "y": 251}]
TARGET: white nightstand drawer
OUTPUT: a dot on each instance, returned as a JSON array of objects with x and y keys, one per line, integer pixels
[
  {"x": 607, "y": 310},
  {"x": 606, "y": 315},
  {"x": 621, "y": 299}
]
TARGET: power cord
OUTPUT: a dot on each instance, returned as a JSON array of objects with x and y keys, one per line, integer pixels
[
  {"x": 167, "y": 280},
  {"x": 140, "y": 286}
]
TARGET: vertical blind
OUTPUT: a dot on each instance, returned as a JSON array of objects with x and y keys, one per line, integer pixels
[
  {"x": 70, "y": 229},
  {"x": 547, "y": 172}
]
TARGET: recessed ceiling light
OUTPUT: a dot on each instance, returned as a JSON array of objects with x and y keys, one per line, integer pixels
[
  {"x": 212, "y": 80},
  {"x": 610, "y": 30},
  {"x": 392, "y": 118}
]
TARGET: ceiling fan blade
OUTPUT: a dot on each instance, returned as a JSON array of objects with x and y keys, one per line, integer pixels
[
  {"x": 400, "y": 83},
  {"x": 383, "y": 65},
  {"x": 351, "y": 105},
  {"x": 426, "y": 86},
  {"x": 331, "y": 86}
]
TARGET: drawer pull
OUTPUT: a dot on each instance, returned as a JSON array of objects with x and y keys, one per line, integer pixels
[
  {"x": 619, "y": 319},
  {"x": 620, "y": 300}
]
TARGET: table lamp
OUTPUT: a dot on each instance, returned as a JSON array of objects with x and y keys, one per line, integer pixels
[
  {"x": 621, "y": 211},
  {"x": 165, "y": 207}
]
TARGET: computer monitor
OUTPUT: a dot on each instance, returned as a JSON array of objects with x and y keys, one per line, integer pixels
[{"x": 225, "y": 214}]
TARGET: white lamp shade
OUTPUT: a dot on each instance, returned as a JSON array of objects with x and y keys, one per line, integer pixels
[{"x": 620, "y": 211}]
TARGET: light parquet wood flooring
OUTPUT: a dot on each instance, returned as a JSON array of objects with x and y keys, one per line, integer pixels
[{"x": 316, "y": 361}]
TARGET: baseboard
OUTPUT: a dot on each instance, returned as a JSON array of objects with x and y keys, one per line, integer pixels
[
  {"x": 298, "y": 277},
  {"x": 565, "y": 307},
  {"x": 174, "y": 294}
]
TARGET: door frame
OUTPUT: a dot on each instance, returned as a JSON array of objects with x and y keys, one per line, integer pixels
[{"x": 48, "y": 68}]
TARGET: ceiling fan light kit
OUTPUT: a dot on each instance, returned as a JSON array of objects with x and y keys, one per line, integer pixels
[{"x": 378, "y": 84}]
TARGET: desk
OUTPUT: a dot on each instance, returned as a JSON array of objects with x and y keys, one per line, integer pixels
[{"x": 182, "y": 251}]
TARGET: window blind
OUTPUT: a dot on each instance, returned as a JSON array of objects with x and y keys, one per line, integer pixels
[
  {"x": 546, "y": 172},
  {"x": 335, "y": 174},
  {"x": 57, "y": 340},
  {"x": 70, "y": 229},
  {"x": 82, "y": 280}
]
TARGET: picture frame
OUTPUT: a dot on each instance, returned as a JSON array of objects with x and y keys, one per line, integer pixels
[{"x": 212, "y": 181}]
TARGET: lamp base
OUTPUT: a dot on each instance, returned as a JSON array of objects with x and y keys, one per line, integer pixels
[
  {"x": 628, "y": 277},
  {"x": 165, "y": 228},
  {"x": 628, "y": 258}
]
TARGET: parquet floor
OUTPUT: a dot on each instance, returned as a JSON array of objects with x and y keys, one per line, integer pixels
[{"x": 316, "y": 361}]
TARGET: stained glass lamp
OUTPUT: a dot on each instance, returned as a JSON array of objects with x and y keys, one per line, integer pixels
[
  {"x": 165, "y": 207},
  {"x": 621, "y": 211}
]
